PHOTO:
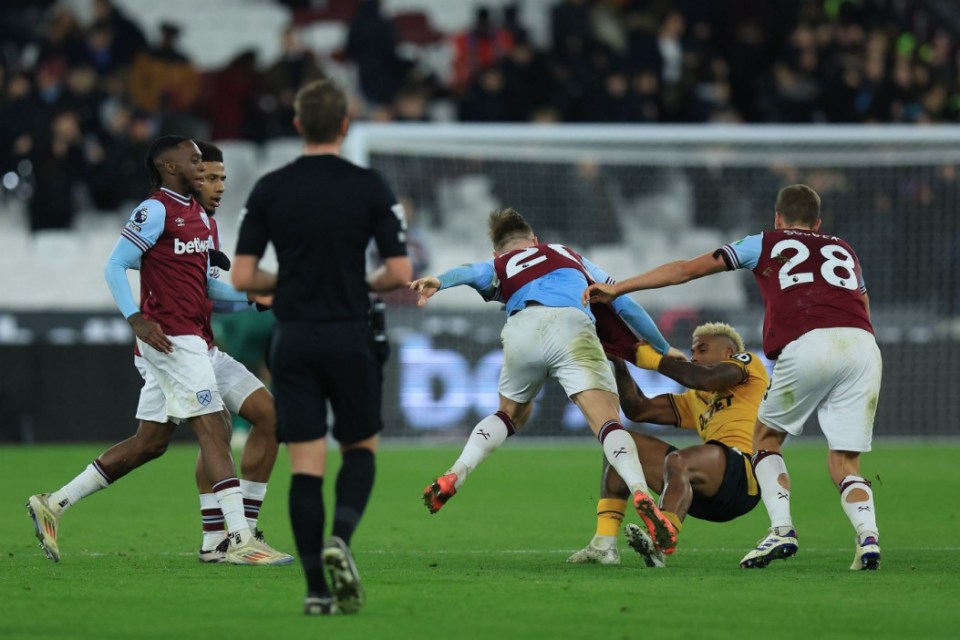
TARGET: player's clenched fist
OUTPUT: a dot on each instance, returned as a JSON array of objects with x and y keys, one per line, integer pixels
[
  {"x": 426, "y": 287},
  {"x": 599, "y": 293}
]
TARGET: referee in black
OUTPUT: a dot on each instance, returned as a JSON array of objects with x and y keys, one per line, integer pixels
[{"x": 320, "y": 212}]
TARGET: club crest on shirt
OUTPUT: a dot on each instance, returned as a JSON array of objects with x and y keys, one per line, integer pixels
[
  {"x": 204, "y": 397},
  {"x": 179, "y": 221},
  {"x": 140, "y": 215}
]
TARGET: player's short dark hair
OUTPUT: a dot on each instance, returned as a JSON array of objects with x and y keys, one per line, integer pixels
[
  {"x": 209, "y": 151},
  {"x": 798, "y": 204},
  {"x": 507, "y": 225},
  {"x": 321, "y": 107},
  {"x": 158, "y": 146}
]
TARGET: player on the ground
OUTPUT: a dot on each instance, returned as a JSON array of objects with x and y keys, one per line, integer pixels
[
  {"x": 548, "y": 334},
  {"x": 712, "y": 481},
  {"x": 167, "y": 237},
  {"x": 817, "y": 326}
]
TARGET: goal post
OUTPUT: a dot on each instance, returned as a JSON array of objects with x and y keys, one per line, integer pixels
[{"x": 630, "y": 198}]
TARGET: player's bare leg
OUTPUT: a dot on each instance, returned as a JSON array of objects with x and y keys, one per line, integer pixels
[
  {"x": 771, "y": 472},
  {"x": 856, "y": 498},
  {"x": 45, "y": 509},
  {"x": 486, "y": 437},
  {"x": 601, "y": 408},
  {"x": 691, "y": 471}
]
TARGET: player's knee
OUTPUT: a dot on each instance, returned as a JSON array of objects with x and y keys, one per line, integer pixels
[
  {"x": 153, "y": 449},
  {"x": 262, "y": 417},
  {"x": 674, "y": 464}
]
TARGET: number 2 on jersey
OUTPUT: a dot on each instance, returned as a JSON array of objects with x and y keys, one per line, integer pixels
[
  {"x": 516, "y": 262},
  {"x": 837, "y": 269}
]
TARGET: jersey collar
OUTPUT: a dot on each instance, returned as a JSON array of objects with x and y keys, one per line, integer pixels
[{"x": 176, "y": 196}]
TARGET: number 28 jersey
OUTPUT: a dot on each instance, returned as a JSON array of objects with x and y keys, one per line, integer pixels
[{"x": 808, "y": 281}]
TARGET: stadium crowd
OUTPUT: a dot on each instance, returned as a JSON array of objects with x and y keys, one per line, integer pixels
[{"x": 81, "y": 101}]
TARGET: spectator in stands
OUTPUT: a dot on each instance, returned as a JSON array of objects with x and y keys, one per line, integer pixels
[
  {"x": 486, "y": 99},
  {"x": 526, "y": 77},
  {"x": 62, "y": 38},
  {"x": 229, "y": 99},
  {"x": 279, "y": 82},
  {"x": 119, "y": 178},
  {"x": 126, "y": 38},
  {"x": 372, "y": 45},
  {"x": 570, "y": 19},
  {"x": 478, "y": 48},
  {"x": 19, "y": 120},
  {"x": 99, "y": 48},
  {"x": 163, "y": 79},
  {"x": 58, "y": 164}
]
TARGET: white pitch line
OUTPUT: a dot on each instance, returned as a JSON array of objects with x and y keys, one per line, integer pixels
[{"x": 476, "y": 552}]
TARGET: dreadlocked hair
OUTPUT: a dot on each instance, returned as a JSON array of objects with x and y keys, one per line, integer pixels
[{"x": 158, "y": 146}]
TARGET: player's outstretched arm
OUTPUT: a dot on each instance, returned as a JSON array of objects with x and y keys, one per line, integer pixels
[
  {"x": 479, "y": 276},
  {"x": 635, "y": 405},
  {"x": 671, "y": 273}
]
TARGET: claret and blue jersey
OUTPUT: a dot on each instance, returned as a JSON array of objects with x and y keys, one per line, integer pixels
[
  {"x": 808, "y": 281},
  {"x": 167, "y": 237},
  {"x": 552, "y": 275}
]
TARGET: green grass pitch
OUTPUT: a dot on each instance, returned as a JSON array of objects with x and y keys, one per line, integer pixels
[{"x": 491, "y": 564}]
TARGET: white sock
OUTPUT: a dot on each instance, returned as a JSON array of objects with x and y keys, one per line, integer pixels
[
  {"x": 485, "y": 438},
  {"x": 621, "y": 452},
  {"x": 862, "y": 514},
  {"x": 231, "y": 504},
  {"x": 89, "y": 481},
  {"x": 211, "y": 517},
  {"x": 775, "y": 497},
  {"x": 253, "y": 494}
]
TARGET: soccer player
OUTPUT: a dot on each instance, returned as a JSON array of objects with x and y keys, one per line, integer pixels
[
  {"x": 817, "y": 326},
  {"x": 320, "y": 212},
  {"x": 242, "y": 392},
  {"x": 712, "y": 481},
  {"x": 549, "y": 334},
  {"x": 167, "y": 236}
]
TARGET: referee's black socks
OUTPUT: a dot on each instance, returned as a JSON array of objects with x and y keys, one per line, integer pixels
[
  {"x": 307, "y": 517},
  {"x": 354, "y": 486}
]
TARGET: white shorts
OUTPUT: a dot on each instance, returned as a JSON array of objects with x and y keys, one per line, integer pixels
[
  {"x": 552, "y": 342},
  {"x": 234, "y": 382},
  {"x": 835, "y": 372},
  {"x": 185, "y": 379}
]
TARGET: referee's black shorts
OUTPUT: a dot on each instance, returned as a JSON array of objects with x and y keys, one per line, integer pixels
[{"x": 313, "y": 363}]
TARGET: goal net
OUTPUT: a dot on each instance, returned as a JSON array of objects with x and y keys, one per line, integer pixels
[{"x": 631, "y": 198}]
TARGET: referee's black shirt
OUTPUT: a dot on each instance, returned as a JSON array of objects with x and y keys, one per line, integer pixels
[{"x": 320, "y": 212}]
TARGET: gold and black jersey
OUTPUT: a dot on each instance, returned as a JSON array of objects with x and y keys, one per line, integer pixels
[{"x": 727, "y": 416}]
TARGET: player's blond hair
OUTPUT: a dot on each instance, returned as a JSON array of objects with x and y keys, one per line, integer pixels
[{"x": 720, "y": 329}]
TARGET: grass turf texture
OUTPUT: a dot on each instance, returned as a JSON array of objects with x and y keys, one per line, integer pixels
[{"x": 491, "y": 563}]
